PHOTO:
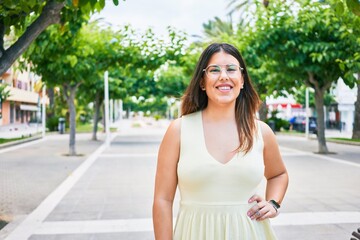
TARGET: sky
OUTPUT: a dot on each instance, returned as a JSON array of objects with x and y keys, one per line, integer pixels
[{"x": 186, "y": 15}]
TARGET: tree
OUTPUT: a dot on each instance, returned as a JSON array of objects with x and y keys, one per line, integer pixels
[
  {"x": 62, "y": 57},
  {"x": 305, "y": 48},
  {"x": 352, "y": 63},
  {"x": 30, "y": 18},
  {"x": 356, "y": 129},
  {"x": 104, "y": 44},
  {"x": 218, "y": 29},
  {"x": 244, "y": 5},
  {"x": 341, "y": 5},
  {"x": 131, "y": 62}
]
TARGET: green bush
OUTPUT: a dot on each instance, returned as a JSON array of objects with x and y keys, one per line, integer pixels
[
  {"x": 52, "y": 123},
  {"x": 279, "y": 123}
]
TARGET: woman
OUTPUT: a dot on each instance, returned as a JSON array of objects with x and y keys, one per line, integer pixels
[{"x": 217, "y": 153}]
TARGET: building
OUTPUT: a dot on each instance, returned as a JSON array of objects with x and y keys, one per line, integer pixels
[
  {"x": 22, "y": 106},
  {"x": 345, "y": 109},
  {"x": 286, "y": 107}
]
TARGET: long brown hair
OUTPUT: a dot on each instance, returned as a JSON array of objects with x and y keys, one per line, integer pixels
[{"x": 247, "y": 103}]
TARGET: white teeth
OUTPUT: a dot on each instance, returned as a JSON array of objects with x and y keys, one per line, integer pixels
[{"x": 224, "y": 88}]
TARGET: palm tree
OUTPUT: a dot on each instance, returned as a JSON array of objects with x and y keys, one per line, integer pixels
[
  {"x": 215, "y": 28},
  {"x": 240, "y": 5}
]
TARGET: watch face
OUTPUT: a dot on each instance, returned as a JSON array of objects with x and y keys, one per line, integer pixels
[{"x": 275, "y": 203}]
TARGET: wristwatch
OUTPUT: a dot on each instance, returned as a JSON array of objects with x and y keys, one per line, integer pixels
[{"x": 275, "y": 204}]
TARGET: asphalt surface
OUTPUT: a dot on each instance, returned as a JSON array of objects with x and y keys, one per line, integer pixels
[{"x": 107, "y": 191}]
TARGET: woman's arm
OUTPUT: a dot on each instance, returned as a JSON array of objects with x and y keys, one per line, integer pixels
[
  {"x": 275, "y": 170},
  {"x": 276, "y": 175},
  {"x": 166, "y": 182}
]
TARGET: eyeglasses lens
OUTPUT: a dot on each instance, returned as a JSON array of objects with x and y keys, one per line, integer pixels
[{"x": 214, "y": 71}]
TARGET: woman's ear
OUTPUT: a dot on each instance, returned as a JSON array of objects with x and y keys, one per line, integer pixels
[{"x": 202, "y": 85}]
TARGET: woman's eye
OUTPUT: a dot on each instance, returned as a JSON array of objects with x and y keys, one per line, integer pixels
[
  {"x": 214, "y": 70},
  {"x": 231, "y": 69}
]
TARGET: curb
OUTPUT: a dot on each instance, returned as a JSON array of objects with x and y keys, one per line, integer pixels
[
  {"x": 315, "y": 138},
  {"x": 343, "y": 142},
  {"x": 13, "y": 143}
]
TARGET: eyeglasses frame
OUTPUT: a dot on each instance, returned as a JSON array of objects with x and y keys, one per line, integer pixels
[{"x": 221, "y": 68}]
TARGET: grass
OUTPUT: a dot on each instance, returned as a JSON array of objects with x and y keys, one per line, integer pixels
[
  {"x": 6, "y": 140},
  {"x": 80, "y": 128},
  {"x": 346, "y": 139},
  {"x": 293, "y": 132},
  {"x": 88, "y": 128}
]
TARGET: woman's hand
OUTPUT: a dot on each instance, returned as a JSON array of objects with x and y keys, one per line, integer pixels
[{"x": 262, "y": 210}]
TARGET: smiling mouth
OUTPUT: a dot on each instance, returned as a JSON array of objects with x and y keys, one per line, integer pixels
[{"x": 224, "y": 88}]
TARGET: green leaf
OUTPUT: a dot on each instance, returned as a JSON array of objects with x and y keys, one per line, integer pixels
[
  {"x": 354, "y": 6},
  {"x": 73, "y": 60},
  {"x": 116, "y": 2},
  {"x": 342, "y": 66},
  {"x": 339, "y": 8}
]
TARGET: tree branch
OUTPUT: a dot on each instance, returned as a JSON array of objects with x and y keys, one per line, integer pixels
[
  {"x": 326, "y": 86},
  {"x": 49, "y": 15},
  {"x": 312, "y": 80},
  {"x": 2, "y": 34},
  {"x": 66, "y": 94}
]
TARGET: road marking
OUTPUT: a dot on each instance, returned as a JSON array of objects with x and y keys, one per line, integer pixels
[
  {"x": 315, "y": 218},
  {"x": 145, "y": 224},
  {"x": 96, "y": 226},
  {"x": 299, "y": 152},
  {"x": 127, "y": 155},
  {"x": 35, "y": 219}
]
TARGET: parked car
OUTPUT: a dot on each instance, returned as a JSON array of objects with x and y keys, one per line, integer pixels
[{"x": 298, "y": 124}]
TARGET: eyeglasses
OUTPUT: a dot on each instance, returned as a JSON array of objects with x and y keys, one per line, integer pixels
[{"x": 214, "y": 71}]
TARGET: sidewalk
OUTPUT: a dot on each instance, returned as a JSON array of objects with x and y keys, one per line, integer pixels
[
  {"x": 20, "y": 130},
  {"x": 107, "y": 193}
]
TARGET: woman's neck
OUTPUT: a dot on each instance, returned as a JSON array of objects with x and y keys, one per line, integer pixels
[{"x": 220, "y": 113}]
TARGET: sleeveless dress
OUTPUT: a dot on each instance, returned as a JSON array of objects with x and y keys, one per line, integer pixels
[{"x": 214, "y": 196}]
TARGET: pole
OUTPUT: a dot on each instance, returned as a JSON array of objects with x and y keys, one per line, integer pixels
[
  {"x": 121, "y": 110},
  {"x": 106, "y": 94},
  {"x": 43, "y": 111},
  {"x": 111, "y": 101},
  {"x": 307, "y": 113}
]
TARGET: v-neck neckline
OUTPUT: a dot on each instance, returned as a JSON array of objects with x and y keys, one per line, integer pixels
[{"x": 202, "y": 133}]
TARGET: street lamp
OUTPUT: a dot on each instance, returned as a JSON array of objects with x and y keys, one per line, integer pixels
[
  {"x": 107, "y": 117},
  {"x": 43, "y": 111}
]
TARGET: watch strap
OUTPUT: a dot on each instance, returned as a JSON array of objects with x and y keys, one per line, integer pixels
[{"x": 275, "y": 204}]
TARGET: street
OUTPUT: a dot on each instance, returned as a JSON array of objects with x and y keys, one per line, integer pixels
[{"x": 106, "y": 193}]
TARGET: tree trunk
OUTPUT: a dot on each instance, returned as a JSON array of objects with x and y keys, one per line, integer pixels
[
  {"x": 49, "y": 15},
  {"x": 356, "y": 129},
  {"x": 70, "y": 93},
  {"x": 51, "y": 96},
  {"x": 263, "y": 111},
  {"x": 96, "y": 115},
  {"x": 319, "y": 104}
]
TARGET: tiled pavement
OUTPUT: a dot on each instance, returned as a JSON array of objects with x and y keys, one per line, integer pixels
[{"x": 107, "y": 193}]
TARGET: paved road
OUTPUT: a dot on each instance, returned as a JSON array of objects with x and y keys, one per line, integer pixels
[{"x": 107, "y": 192}]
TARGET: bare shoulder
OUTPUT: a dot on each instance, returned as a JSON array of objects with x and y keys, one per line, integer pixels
[
  {"x": 174, "y": 128},
  {"x": 170, "y": 146},
  {"x": 172, "y": 135},
  {"x": 266, "y": 131}
]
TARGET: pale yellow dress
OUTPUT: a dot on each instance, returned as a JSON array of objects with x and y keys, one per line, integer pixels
[{"x": 214, "y": 196}]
